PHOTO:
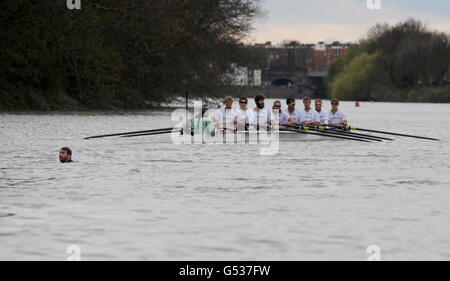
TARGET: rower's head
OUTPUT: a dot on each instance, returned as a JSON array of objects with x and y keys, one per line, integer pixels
[
  {"x": 243, "y": 101},
  {"x": 259, "y": 101},
  {"x": 228, "y": 102},
  {"x": 307, "y": 103},
  {"x": 65, "y": 155},
  {"x": 290, "y": 102},
  {"x": 276, "y": 106},
  {"x": 334, "y": 105},
  {"x": 318, "y": 105}
]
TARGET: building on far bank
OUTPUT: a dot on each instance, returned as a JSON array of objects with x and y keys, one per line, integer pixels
[
  {"x": 322, "y": 55},
  {"x": 291, "y": 64},
  {"x": 293, "y": 56},
  {"x": 243, "y": 76},
  {"x": 238, "y": 75},
  {"x": 254, "y": 77}
]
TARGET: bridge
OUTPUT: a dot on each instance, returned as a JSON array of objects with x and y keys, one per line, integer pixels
[
  {"x": 301, "y": 79},
  {"x": 287, "y": 77},
  {"x": 283, "y": 77}
]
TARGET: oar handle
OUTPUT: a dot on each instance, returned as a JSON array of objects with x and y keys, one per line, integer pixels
[{"x": 347, "y": 128}]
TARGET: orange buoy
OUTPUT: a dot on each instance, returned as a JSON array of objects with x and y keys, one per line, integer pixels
[{"x": 357, "y": 104}]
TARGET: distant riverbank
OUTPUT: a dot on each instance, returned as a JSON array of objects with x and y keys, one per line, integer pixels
[
  {"x": 34, "y": 100},
  {"x": 423, "y": 94}
]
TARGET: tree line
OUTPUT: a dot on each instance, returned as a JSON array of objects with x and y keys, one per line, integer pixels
[
  {"x": 404, "y": 62},
  {"x": 117, "y": 54}
]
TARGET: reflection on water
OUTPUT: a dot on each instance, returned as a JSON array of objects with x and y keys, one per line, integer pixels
[{"x": 146, "y": 199}]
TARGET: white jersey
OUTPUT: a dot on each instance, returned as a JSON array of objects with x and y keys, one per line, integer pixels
[
  {"x": 276, "y": 116},
  {"x": 260, "y": 118},
  {"x": 323, "y": 115},
  {"x": 286, "y": 115},
  {"x": 309, "y": 116},
  {"x": 337, "y": 117},
  {"x": 244, "y": 115},
  {"x": 226, "y": 116}
]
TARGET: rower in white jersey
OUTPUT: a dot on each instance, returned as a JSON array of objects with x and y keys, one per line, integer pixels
[
  {"x": 291, "y": 115},
  {"x": 262, "y": 117},
  {"x": 336, "y": 116},
  {"x": 225, "y": 118},
  {"x": 244, "y": 115},
  {"x": 323, "y": 115},
  {"x": 308, "y": 116},
  {"x": 276, "y": 113}
]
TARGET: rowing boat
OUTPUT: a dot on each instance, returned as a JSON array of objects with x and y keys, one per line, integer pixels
[{"x": 294, "y": 133}]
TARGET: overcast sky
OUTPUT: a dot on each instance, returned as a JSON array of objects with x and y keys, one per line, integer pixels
[{"x": 341, "y": 20}]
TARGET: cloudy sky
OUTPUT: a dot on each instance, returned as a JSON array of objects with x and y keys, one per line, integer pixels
[{"x": 341, "y": 20}]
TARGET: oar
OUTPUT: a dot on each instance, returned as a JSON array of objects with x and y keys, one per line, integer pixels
[
  {"x": 153, "y": 133},
  {"x": 347, "y": 133},
  {"x": 128, "y": 133},
  {"x": 323, "y": 135},
  {"x": 344, "y": 134},
  {"x": 351, "y": 128}
]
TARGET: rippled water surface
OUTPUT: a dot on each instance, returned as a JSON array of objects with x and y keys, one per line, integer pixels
[{"x": 146, "y": 199}]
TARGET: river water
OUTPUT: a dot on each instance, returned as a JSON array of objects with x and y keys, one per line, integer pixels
[{"x": 145, "y": 199}]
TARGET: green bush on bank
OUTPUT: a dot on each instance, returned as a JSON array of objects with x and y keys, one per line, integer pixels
[
  {"x": 351, "y": 83},
  {"x": 405, "y": 62},
  {"x": 426, "y": 94}
]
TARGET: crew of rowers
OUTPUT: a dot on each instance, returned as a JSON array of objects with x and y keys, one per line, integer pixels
[{"x": 228, "y": 119}]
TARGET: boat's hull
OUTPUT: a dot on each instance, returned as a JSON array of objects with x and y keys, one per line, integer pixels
[{"x": 240, "y": 137}]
